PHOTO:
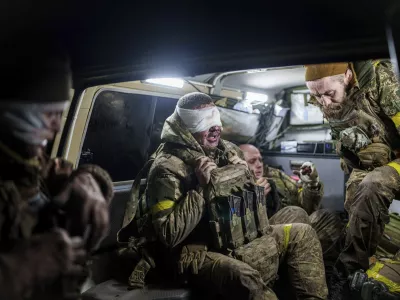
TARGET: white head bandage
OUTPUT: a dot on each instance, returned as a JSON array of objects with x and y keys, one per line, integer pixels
[
  {"x": 197, "y": 120},
  {"x": 26, "y": 121}
]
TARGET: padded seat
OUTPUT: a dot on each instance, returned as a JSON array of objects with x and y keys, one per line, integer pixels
[{"x": 113, "y": 290}]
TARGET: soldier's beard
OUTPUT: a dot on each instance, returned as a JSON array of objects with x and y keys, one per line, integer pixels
[
  {"x": 333, "y": 111},
  {"x": 337, "y": 111},
  {"x": 209, "y": 151}
]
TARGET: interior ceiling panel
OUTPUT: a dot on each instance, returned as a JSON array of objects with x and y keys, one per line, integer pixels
[
  {"x": 132, "y": 40},
  {"x": 267, "y": 80}
]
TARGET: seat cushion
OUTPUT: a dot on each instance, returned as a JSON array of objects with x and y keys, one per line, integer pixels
[{"x": 113, "y": 290}]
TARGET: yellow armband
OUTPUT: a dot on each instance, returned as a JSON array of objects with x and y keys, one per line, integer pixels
[
  {"x": 396, "y": 119},
  {"x": 162, "y": 205},
  {"x": 395, "y": 166}
]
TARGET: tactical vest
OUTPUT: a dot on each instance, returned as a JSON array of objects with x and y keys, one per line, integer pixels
[
  {"x": 237, "y": 209},
  {"x": 239, "y": 218},
  {"x": 365, "y": 124}
]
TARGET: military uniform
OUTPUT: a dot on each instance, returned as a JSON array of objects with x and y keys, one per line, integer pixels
[
  {"x": 176, "y": 212},
  {"x": 306, "y": 197},
  {"x": 27, "y": 189},
  {"x": 368, "y": 141},
  {"x": 46, "y": 207},
  {"x": 302, "y": 205}
]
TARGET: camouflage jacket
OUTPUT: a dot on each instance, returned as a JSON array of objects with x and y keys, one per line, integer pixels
[
  {"x": 25, "y": 210},
  {"x": 290, "y": 193},
  {"x": 368, "y": 131},
  {"x": 27, "y": 188},
  {"x": 174, "y": 202}
]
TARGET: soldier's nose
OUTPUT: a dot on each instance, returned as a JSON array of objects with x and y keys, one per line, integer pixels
[{"x": 326, "y": 101}]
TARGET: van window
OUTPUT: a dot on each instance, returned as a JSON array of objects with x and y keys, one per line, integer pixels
[
  {"x": 164, "y": 108},
  {"x": 118, "y": 134}
]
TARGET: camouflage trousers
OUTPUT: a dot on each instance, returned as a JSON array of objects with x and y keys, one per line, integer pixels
[
  {"x": 252, "y": 270},
  {"x": 327, "y": 225},
  {"x": 368, "y": 197}
]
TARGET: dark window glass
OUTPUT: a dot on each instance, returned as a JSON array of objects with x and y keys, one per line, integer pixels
[
  {"x": 164, "y": 108},
  {"x": 119, "y": 132}
]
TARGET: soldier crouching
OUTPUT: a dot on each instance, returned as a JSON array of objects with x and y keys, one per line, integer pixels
[{"x": 208, "y": 217}]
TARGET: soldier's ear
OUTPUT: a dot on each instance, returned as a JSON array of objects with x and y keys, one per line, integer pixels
[{"x": 348, "y": 76}]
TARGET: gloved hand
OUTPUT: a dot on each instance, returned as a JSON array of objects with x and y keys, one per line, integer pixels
[
  {"x": 265, "y": 184},
  {"x": 354, "y": 139},
  {"x": 308, "y": 174},
  {"x": 203, "y": 170},
  {"x": 40, "y": 261},
  {"x": 56, "y": 174},
  {"x": 192, "y": 256},
  {"x": 86, "y": 206},
  {"x": 374, "y": 155}
]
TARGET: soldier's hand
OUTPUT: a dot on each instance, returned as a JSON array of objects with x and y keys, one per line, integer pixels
[
  {"x": 192, "y": 258},
  {"x": 203, "y": 170},
  {"x": 235, "y": 160},
  {"x": 86, "y": 208},
  {"x": 264, "y": 183},
  {"x": 308, "y": 174},
  {"x": 49, "y": 256}
]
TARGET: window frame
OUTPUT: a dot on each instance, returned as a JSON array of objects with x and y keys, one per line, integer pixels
[{"x": 121, "y": 90}]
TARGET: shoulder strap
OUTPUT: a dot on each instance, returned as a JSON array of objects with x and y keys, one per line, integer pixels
[{"x": 133, "y": 202}]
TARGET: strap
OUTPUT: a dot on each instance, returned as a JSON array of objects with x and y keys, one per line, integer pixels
[
  {"x": 132, "y": 204},
  {"x": 138, "y": 275}
]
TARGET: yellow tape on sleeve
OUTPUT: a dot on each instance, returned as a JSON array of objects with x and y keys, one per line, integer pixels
[
  {"x": 396, "y": 119},
  {"x": 374, "y": 273},
  {"x": 286, "y": 232},
  {"x": 395, "y": 166},
  {"x": 162, "y": 205}
]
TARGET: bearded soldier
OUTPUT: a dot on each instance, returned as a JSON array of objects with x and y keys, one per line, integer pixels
[
  {"x": 361, "y": 102},
  {"x": 46, "y": 208},
  {"x": 208, "y": 219}
]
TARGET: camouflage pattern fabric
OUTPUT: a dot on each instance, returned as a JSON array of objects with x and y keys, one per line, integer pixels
[
  {"x": 368, "y": 215},
  {"x": 232, "y": 278},
  {"x": 303, "y": 260},
  {"x": 308, "y": 198},
  {"x": 290, "y": 214},
  {"x": 177, "y": 210},
  {"x": 390, "y": 240},
  {"x": 327, "y": 225},
  {"x": 389, "y": 244},
  {"x": 368, "y": 139},
  {"x": 252, "y": 270},
  {"x": 26, "y": 211},
  {"x": 330, "y": 231}
]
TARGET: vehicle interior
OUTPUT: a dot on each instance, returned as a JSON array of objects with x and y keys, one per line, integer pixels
[
  {"x": 119, "y": 126},
  {"x": 244, "y": 56}
]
